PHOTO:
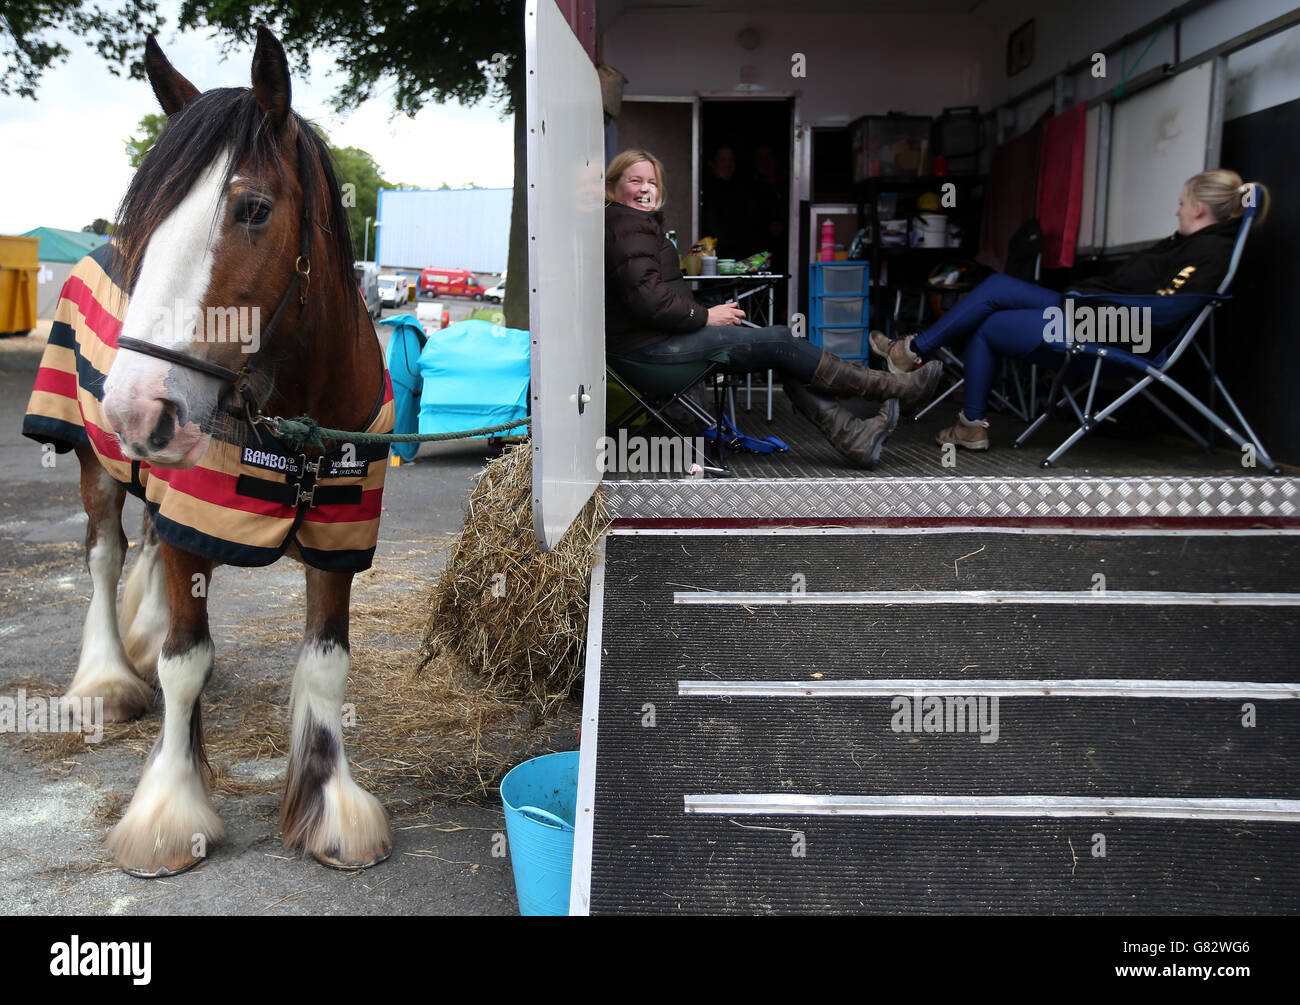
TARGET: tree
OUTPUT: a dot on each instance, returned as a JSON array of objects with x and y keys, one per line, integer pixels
[
  {"x": 438, "y": 50},
  {"x": 27, "y": 52},
  {"x": 357, "y": 168},
  {"x": 100, "y": 226},
  {"x": 150, "y": 127}
]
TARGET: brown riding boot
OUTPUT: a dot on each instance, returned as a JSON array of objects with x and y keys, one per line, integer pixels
[
  {"x": 839, "y": 376},
  {"x": 859, "y": 440},
  {"x": 972, "y": 434}
]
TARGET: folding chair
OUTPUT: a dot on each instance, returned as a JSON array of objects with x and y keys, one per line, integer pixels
[
  {"x": 1024, "y": 261},
  {"x": 655, "y": 387},
  {"x": 1191, "y": 311}
]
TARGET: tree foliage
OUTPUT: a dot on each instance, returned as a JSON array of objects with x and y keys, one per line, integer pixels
[
  {"x": 358, "y": 168},
  {"x": 27, "y": 50},
  {"x": 148, "y": 131},
  {"x": 438, "y": 50}
]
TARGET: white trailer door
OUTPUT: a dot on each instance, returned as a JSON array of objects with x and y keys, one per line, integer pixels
[{"x": 566, "y": 269}]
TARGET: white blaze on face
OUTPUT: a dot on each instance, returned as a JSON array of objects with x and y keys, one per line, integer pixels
[{"x": 175, "y": 273}]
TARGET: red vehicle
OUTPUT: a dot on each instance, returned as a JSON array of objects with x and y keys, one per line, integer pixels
[{"x": 436, "y": 282}]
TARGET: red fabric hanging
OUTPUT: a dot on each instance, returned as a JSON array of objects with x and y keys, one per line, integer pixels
[
  {"x": 1011, "y": 195},
  {"x": 1060, "y": 186}
]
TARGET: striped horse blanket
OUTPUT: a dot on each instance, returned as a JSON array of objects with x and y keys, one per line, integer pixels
[{"x": 242, "y": 504}]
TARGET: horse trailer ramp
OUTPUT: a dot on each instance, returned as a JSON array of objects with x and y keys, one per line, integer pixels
[{"x": 941, "y": 720}]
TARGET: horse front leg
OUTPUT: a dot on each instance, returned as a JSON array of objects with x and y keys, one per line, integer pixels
[
  {"x": 103, "y": 670},
  {"x": 170, "y": 822},
  {"x": 145, "y": 619},
  {"x": 325, "y": 812}
]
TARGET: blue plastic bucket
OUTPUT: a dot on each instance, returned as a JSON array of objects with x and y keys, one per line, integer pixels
[{"x": 541, "y": 799}]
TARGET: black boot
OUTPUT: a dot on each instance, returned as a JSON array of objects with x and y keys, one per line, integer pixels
[
  {"x": 859, "y": 440},
  {"x": 838, "y": 376}
]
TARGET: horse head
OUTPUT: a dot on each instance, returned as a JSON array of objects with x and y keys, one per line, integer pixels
[{"x": 215, "y": 240}]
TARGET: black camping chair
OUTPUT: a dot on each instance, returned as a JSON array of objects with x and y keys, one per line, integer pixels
[{"x": 656, "y": 387}]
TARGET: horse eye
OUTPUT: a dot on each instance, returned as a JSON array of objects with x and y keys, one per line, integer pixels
[{"x": 253, "y": 211}]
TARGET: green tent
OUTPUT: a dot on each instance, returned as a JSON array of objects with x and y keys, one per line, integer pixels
[{"x": 64, "y": 245}]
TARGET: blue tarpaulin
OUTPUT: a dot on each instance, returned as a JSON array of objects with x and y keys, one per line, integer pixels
[
  {"x": 404, "y": 347},
  {"x": 475, "y": 374}
]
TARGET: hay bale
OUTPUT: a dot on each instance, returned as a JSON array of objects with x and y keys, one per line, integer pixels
[{"x": 503, "y": 608}]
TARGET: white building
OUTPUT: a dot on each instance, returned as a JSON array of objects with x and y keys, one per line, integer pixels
[{"x": 460, "y": 228}]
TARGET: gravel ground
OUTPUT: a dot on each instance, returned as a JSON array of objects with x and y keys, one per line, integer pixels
[{"x": 56, "y": 813}]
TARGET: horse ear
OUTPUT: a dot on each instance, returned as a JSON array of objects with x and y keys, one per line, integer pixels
[
  {"x": 173, "y": 91},
  {"x": 271, "y": 75}
]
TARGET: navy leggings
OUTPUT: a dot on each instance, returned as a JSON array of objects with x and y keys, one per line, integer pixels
[
  {"x": 750, "y": 349},
  {"x": 1003, "y": 317}
]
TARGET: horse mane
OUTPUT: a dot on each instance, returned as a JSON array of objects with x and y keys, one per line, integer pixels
[{"x": 230, "y": 119}]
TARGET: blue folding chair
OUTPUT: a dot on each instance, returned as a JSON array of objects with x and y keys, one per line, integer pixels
[{"x": 1191, "y": 312}]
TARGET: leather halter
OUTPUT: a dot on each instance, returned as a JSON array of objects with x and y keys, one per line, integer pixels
[{"x": 243, "y": 404}]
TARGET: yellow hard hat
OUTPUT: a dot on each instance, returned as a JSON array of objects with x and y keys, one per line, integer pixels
[{"x": 928, "y": 202}]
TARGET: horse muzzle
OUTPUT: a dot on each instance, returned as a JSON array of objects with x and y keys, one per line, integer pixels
[{"x": 157, "y": 430}]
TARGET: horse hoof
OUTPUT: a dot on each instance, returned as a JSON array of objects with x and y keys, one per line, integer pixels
[
  {"x": 123, "y": 711},
  {"x": 124, "y": 700},
  {"x": 331, "y": 862},
  {"x": 174, "y": 867}
]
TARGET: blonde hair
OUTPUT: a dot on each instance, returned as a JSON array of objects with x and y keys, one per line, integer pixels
[
  {"x": 625, "y": 160},
  {"x": 1227, "y": 195}
]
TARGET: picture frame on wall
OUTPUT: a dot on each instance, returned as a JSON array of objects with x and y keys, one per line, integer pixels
[{"x": 1020, "y": 48}]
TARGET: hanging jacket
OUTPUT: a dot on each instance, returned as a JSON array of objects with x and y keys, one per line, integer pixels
[
  {"x": 646, "y": 298},
  {"x": 1195, "y": 263}
]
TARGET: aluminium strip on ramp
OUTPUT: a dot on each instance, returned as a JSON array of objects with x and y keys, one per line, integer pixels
[
  {"x": 988, "y": 688},
  {"x": 789, "y": 804},
  {"x": 853, "y": 598}
]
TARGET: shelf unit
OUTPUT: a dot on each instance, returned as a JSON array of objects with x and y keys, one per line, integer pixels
[
  {"x": 839, "y": 303},
  {"x": 898, "y": 268}
]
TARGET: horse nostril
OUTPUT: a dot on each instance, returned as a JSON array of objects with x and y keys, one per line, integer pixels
[{"x": 164, "y": 430}]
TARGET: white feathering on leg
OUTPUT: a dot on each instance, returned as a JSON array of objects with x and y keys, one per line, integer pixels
[
  {"x": 353, "y": 825},
  {"x": 170, "y": 809}
]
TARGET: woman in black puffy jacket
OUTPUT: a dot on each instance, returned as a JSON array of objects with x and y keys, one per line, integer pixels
[{"x": 651, "y": 317}]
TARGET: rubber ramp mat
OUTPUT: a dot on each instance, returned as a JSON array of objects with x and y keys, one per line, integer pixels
[{"x": 658, "y": 747}]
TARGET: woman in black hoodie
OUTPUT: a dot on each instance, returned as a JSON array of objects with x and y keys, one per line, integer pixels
[
  {"x": 651, "y": 317},
  {"x": 1004, "y": 317}
]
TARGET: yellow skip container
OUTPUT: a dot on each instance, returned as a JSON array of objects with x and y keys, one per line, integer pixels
[{"x": 18, "y": 269}]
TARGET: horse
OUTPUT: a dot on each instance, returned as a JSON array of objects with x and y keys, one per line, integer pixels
[{"x": 234, "y": 214}]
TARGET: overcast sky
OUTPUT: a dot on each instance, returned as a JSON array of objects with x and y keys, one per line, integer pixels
[{"x": 63, "y": 158}]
